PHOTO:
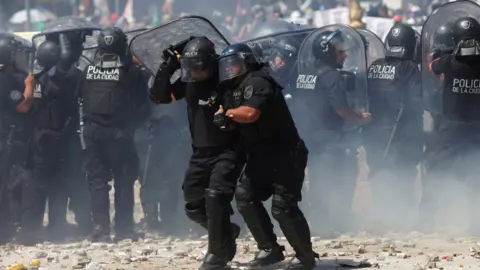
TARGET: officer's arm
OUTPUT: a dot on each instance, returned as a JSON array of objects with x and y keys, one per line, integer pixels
[
  {"x": 162, "y": 91},
  {"x": 440, "y": 64},
  {"x": 25, "y": 103},
  {"x": 337, "y": 97},
  {"x": 257, "y": 92}
]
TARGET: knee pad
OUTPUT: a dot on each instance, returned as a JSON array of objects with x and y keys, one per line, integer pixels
[
  {"x": 196, "y": 211},
  {"x": 243, "y": 197},
  {"x": 217, "y": 202},
  {"x": 284, "y": 207}
]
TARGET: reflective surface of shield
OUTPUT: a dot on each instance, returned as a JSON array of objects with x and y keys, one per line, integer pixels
[
  {"x": 375, "y": 46},
  {"x": 148, "y": 46},
  {"x": 355, "y": 62},
  {"x": 67, "y": 24},
  {"x": 23, "y": 56},
  {"x": 263, "y": 46},
  {"x": 432, "y": 85},
  {"x": 275, "y": 26}
]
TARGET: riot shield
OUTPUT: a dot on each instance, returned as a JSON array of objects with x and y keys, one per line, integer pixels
[
  {"x": 148, "y": 47},
  {"x": 356, "y": 62},
  {"x": 375, "y": 47},
  {"x": 448, "y": 13},
  {"x": 23, "y": 56},
  {"x": 88, "y": 30},
  {"x": 262, "y": 48},
  {"x": 276, "y": 26}
]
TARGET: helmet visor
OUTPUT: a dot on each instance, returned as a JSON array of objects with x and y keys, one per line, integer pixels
[
  {"x": 231, "y": 66},
  {"x": 194, "y": 69}
]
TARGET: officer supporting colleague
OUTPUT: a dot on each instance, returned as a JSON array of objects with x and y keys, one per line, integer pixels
[
  {"x": 455, "y": 153},
  {"x": 326, "y": 121},
  {"x": 277, "y": 157},
  {"x": 113, "y": 103},
  {"x": 14, "y": 132},
  {"x": 394, "y": 139},
  {"x": 215, "y": 164},
  {"x": 54, "y": 111}
]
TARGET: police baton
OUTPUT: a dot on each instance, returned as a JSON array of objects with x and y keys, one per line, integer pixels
[
  {"x": 394, "y": 130},
  {"x": 147, "y": 162}
]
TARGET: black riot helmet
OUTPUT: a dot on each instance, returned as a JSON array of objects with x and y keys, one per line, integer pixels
[
  {"x": 466, "y": 35},
  {"x": 284, "y": 53},
  {"x": 113, "y": 40},
  {"x": 48, "y": 54},
  {"x": 235, "y": 61},
  {"x": 401, "y": 42},
  {"x": 443, "y": 38},
  {"x": 327, "y": 46},
  {"x": 198, "y": 60},
  {"x": 7, "y": 50}
]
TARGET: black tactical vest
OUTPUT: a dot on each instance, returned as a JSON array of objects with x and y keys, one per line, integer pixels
[{"x": 107, "y": 91}]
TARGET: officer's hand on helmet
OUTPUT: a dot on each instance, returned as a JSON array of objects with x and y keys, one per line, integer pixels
[{"x": 366, "y": 118}]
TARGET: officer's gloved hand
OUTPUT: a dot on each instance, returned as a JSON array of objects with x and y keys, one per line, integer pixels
[
  {"x": 222, "y": 121},
  {"x": 171, "y": 59},
  {"x": 65, "y": 52}
]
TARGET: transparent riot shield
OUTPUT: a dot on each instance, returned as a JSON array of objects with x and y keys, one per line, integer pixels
[
  {"x": 356, "y": 62},
  {"x": 23, "y": 55},
  {"x": 275, "y": 26},
  {"x": 264, "y": 50},
  {"x": 69, "y": 24},
  {"x": 446, "y": 14},
  {"x": 375, "y": 47},
  {"x": 148, "y": 47}
]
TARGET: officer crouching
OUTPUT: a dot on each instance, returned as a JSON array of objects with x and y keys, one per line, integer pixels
[
  {"x": 113, "y": 96},
  {"x": 276, "y": 155}
]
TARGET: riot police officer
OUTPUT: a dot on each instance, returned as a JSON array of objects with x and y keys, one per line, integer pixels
[
  {"x": 276, "y": 155},
  {"x": 14, "y": 130},
  {"x": 54, "y": 110},
  {"x": 451, "y": 157},
  {"x": 113, "y": 103},
  {"x": 283, "y": 59},
  {"x": 326, "y": 97},
  {"x": 394, "y": 139},
  {"x": 215, "y": 164}
]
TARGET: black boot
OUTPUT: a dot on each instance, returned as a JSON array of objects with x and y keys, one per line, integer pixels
[
  {"x": 197, "y": 215},
  {"x": 295, "y": 228},
  {"x": 221, "y": 239},
  {"x": 261, "y": 228}
]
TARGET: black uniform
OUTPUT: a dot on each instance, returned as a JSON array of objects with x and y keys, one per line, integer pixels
[
  {"x": 451, "y": 157},
  {"x": 54, "y": 111},
  {"x": 394, "y": 86},
  {"x": 113, "y": 96},
  {"x": 215, "y": 164},
  {"x": 276, "y": 161},
  {"x": 14, "y": 134}
]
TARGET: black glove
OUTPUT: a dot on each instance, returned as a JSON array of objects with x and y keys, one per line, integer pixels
[
  {"x": 65, "y": 52},
  {"x": 223, "y": 122}
]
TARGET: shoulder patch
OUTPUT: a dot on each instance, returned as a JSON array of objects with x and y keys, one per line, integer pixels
[
  {"x": 15, "y": 95},
  {"x": 247, "y": 93}
]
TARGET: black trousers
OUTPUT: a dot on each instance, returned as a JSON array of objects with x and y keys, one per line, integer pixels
[
  {"x": 110, "y": 154},
  {"x": 13, "y": 175},
  {"x": 209, "y": 168},
  {"x": 278, "y": 174},
  {"x": 48, "y": 173}
]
